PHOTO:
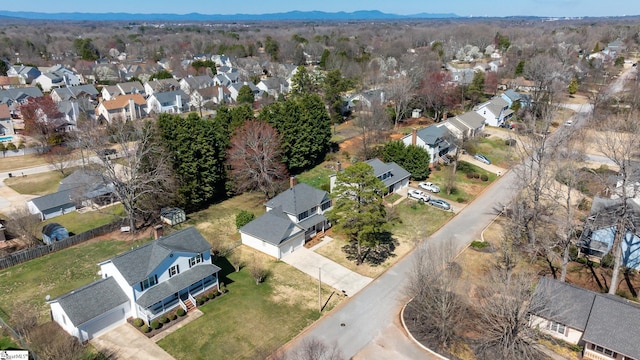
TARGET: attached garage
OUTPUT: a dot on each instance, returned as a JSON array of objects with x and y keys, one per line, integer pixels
[
  {"x": 91, "y": 310},
  {"x": 273, "y": 233},
  {"x": 101, "y": 324}
]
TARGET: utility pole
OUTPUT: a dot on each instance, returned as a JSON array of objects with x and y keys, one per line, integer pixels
[{"x": 320, "y": 289}]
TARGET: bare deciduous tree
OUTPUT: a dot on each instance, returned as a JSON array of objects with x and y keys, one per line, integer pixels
[
  {"x": 61, "y": 158},
  {"x": 432, "y": 282},
  {"x": 400, "y": 92},
  {"x": 504, "y": 316},
  {"x": 23, "y": 223},
  {"x": 141, "y": 177},
  {"x": 255, "y": 158}
]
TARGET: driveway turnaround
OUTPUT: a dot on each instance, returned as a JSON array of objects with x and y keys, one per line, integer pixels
[
  {"x": 126, "y": 342},
  {"x": 331, "y": 273}
]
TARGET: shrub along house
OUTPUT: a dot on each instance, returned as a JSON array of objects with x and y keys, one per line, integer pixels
[
  {"x": 292, "y": 218},
  {"x": 145, "y": 283}
]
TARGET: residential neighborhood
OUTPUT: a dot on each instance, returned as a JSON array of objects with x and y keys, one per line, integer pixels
[{"x": 376, "y": 188}]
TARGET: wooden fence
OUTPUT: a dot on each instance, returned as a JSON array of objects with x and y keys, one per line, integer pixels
[{"x": 25, "y": 255}]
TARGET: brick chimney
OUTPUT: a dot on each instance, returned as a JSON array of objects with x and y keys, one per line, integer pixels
[
  {"x": 293, "y": 181},
  {"x": 444, "y": 116},
  {"x": 158, "y": 231},
  {"x": 414, "y": 136}
]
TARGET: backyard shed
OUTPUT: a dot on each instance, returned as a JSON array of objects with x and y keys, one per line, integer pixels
[
  {"x": 54, "y": 232},
  {"x": 173, "y": 216}
]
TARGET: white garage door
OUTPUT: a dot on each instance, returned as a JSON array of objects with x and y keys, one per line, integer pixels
[{"x": 104, "y": 323}]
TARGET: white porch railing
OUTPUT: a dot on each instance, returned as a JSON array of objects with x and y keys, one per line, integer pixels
[
  {"x": 182, "y": 304},
  {"x": 592, "y": 355},
  {"x": 193, "y": 300}
]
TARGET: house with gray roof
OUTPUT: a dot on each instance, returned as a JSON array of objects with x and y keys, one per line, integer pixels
[
  {"x": 18, "y": 96},
  {"x": 172, "y": 102},
  {"x": 604, "y": 324},
  {"x": 192, "y": 83},
  {"x": 465, "y": 126},
  {"x": 88, "y": 188},
  {"x": 293, "y": 217},
  {"x": 495, "y": 111},
  {"x": 392, "y": 175},
  {"x": 51, "y": 205},
  {"x": 128, "y": 88},
  {"x": 87, "y": 92},
  {"x": 601, "y": 226},
  {"x": 436, "y": 139},
  {"x": 146, "y": 282}
]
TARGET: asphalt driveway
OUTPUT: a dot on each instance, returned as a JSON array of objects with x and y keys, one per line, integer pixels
[
  {"x": 332, "y": 273},
  {"x": 125, "y": 342}
]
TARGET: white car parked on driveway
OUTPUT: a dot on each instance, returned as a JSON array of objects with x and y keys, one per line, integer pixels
[
  {"x": 429, "y": 187},
  {"x": 419, "y": 195}
]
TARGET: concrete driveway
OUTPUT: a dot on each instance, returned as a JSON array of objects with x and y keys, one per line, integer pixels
[
  {"x": 491, "y": 168},
  {"x": 333, "y": 274},
  {"x": 125, "y": 342}
]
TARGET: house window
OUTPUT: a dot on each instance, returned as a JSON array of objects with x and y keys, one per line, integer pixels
[
  {"x": 174, "y": 270},
  {"x": 325, "y": 205},
  {"x": 313, "y": 210},
  {"x": 149, "y": 282},
  {"x": 603, "y": 350},
  {"x": 556, "y": 327},
  {"x": 303, "y": 215},
  {"x": 195, "y": 260}
]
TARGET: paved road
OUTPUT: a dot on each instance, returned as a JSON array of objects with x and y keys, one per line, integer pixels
[
  {"x": 367, "y": 326},
  {"x": 371, "y": 317}
]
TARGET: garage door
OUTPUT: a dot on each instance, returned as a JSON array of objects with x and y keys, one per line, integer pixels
[{"x": 104, "y": 323}]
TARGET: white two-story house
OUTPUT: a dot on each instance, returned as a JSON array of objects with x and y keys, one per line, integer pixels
[
  {"x": 145, "y": 283},
  {"x": 293, "y": 217},
  {"x": 436, "y": 139},
  {"x": 495, "y": 111}
]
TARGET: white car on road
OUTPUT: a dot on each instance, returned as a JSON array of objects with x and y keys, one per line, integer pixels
[
  {"x": 429, "y": 187},
  {"x": 419, "y": 195}
]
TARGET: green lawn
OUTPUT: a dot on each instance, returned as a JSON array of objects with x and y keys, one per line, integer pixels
[
  {"x": 317, "y": 177},
  {"x": 218, "y": 222},
  {"x": 7, "y": 344},
  {"x": 251, "y": 320},
  {"x": 36, "y": 184},
  {"x": 497, "y": 151},
  {"x": 417, "y": 221},
  {"x": 466, "y": 189},
  {"x": 54, "y": 275},
  {"x": 76, "y": 222}
]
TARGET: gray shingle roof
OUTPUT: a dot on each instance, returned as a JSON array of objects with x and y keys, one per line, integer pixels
[
  {"x": 90, "y": 301},
  {"x": 19, "y": 94},
  {"x": 51, "y": 201},
  {"x": 198, "y": 82},
  {"x": 431, "y": 134},
  {"x": 175, "y": 284},
  {"x": 614, "y": 324},
  {"x": 397, "y": 173},
  {"x": 512, "y": 95},
  {"x": 273, "y": 227},
  {"x": 72, "y": 92},
  {"x": 170, "y": 96},
  {"x": 471, "y": 119},
  {"x": 138, "y": 264},
  {"x": 299, "y": 198},
  {"x": 564, "y": 303}
]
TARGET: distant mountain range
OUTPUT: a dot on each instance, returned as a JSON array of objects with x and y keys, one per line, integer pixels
[{"x": 291, "y": 15}]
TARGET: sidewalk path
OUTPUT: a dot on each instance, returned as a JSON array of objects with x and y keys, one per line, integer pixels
[{"x": 332, "y": 273}]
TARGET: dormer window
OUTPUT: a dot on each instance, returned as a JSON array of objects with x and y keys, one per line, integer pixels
[
  {"x": 149, "y": 282},
  {"x": 195, "y": 260},
  {"x": 174, "y": 270}
]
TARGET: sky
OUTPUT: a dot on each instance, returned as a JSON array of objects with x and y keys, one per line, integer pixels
[{"x": 552, "y": 8}]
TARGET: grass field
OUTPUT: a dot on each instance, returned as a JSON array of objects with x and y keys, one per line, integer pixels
[
  {"x": 466, "y": 189},
  {"x": 76, "y": 222},
  {"x": 317, "y": 177},
  {"x": 54, "y": 275},
  {"x": 218, "y": 222},
  {"x": 36, "y": 184},
  {"x": 418, "y": 222},
  {"x": 251, "y": 320},
  {"x": 21, "y": 162}
]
